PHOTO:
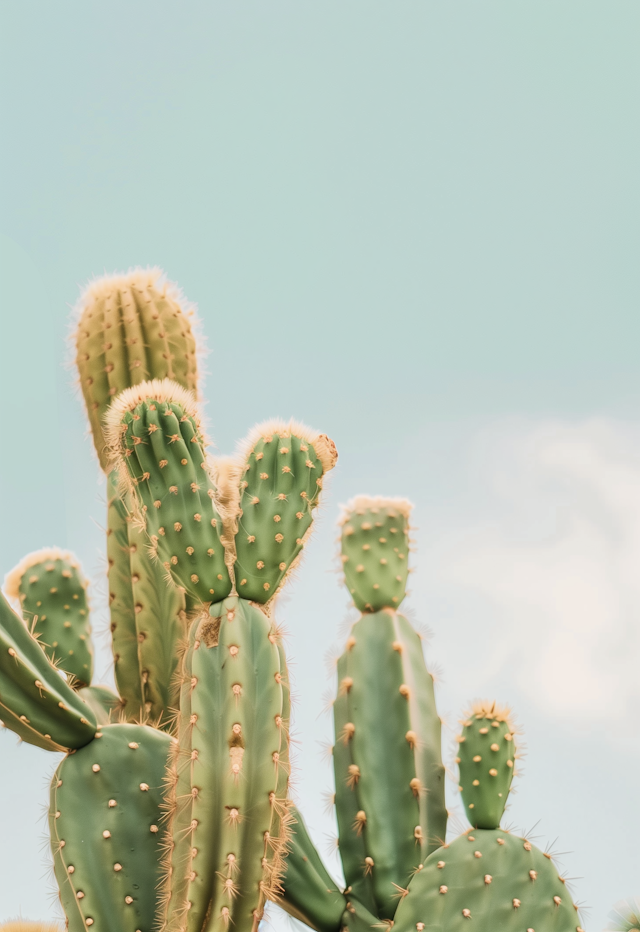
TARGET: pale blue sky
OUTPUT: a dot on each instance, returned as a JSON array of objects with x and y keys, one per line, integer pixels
[{"x": 415, "y": 226}]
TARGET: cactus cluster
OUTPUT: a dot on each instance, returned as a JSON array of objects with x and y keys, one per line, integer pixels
[{"x": 170, "y": 811}]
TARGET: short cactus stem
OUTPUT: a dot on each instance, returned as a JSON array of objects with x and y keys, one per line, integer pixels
[
  {"x": 486, "y": 757},
  {"x": 52, "y": 591}
]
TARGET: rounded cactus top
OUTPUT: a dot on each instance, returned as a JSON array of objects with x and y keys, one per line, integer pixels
[
  {"x": 131, "y": 328},
  {"x": 486, "y": 758},
  {"x": 52, "y": 591},
  {"x": 374, "y": 542}
]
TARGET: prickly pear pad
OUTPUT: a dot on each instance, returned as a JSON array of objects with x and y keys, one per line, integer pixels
[
  {"x": 106, "y": 831},
  {"x": 131, "y": 328},
  {"x": 52, "y": 592},
  {"x": 487, "y": 880},
  {"x": 486, "y": 758},
  {"x": 35, "y": 701},
  {"x": 281, "y": 480},
  {"x": 375, "y": 549},
  {"x": 157, "y": 443}
]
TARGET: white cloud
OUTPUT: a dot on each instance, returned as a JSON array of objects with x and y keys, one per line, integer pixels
[{"x": 552, "y": 566}]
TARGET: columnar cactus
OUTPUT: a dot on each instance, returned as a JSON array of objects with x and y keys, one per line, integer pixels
[
  {"x": 389, "y": 777},
  {"x": 132, "y": 328},
  {"x": 488, "y": 875},
  {"x": 228, "y": 806}
]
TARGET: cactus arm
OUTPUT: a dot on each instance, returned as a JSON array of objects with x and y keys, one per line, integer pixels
[
  {"x": 309, "y": 893},
  {"x": 486, "y": 759},
  {"x": 51, "y": 588},
  {"x": 492, "y": 880},
  {"x": 280, "y": 480},
  {"x": 105, "y": 826},
  {"x": 35, "y": 702},
  {"x": 238, "y": 746},
  {"x": 131, "y": 328},
  {"x": 425, "y": 721},
  {"x": 356, "y": 918},
  {"x": 156, "y": 441}
]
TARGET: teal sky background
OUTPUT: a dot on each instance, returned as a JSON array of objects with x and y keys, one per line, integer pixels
[{"x": 413, "y": 225}]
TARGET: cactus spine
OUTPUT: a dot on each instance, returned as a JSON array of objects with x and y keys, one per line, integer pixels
[{"x": 488, "y": 876}]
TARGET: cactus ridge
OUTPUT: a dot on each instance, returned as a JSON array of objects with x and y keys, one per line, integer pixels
[
  {"x": 487, "y": 879},
  {"x": 35, "y": 702},
  {"x": 486, "y": 759},
  {"x": 131, "y": 328},
  {"x": 53, "y": 595},
  {"x": 105, "y": 826},
  {"x": 230, "y": 828},
  {"x": 388, "y": 770},
  {"x": 157, "y": 443},
  {"x": 148, "y": 620},
  {"x": 374, "y": 551},
  {"x": 276, "y": 482}
]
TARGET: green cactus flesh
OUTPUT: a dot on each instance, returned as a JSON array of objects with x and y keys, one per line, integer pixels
[
  {"x": 486, "y": 880},
  {"x": 388, "y": 768},
  {"x": 279, "y": 490},
  {"x": 104, "y": 703},
  {"x": 309, "y": 894},
  {"x": 148, "y": 621},
  {"x": 356, "y": 918},
  {"x": 52, "y": 592},
  {"x": 132, "y": 328},
  {"x": 229, "y": 805},
  {"x": 375, "y": 547},
  {"x": 35, "y": 701},
  {"x": 106, "y": 832},
  {"x": 155, "y": 432},
  {"x": 486, "y": 758}
]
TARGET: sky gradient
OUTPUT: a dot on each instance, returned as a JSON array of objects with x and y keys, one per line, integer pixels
[{"x": 415, "y": 227}]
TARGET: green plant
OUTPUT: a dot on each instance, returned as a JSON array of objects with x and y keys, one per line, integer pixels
[
  {"x": 488, "y": 876},
  {"x": 218, "y": 534},
  {"x": 389, "y": 776}
]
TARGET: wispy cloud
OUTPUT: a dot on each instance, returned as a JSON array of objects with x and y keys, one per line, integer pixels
[{"x": 549, "y": 573}]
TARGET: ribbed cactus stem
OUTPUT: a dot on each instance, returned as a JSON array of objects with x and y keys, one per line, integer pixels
[
  {"x": 52, "y": 591},
  {"x": 229, "y": 831},
  {"x": 131, "y": 328},
  {"x": 148, "y": 619}
]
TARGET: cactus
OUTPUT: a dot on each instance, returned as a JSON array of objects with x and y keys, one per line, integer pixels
[
  {"x": 105, "y": 826},
  {"x": 625, "y": 916},
  {"x": 131, "y": 328},
  {"x": 52, "y": 592},
  {"x": 387, "y": 762},
  {"x": 35, "y": 702},
  {"x": 228, "y": 806},
  {"x": 488, "y": 876}
]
